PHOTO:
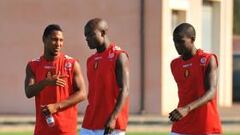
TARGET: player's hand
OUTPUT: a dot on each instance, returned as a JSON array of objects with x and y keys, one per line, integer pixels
[
  {"x": 51, "y": 108},
  {"x": 109, "y": 126},
  {"x": 178, "y": 113},
  {"x": 56, "y": 80}
]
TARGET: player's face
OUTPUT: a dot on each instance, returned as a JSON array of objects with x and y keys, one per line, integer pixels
[
  {"x": 93, "y": 37},
  {"x": 183, "y": 44},
  {"x": 53, "y": 43}
]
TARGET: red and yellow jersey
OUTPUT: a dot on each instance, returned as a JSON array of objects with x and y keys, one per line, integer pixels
[
  {"x": 189, "y": 76},
  {"x": 65, "y": 120},
  {"x": 103, "y": 90}
]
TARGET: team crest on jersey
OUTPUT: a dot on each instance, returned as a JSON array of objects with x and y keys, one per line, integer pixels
[
  {"x": 68, "y": 66},
  {"x": 111, "y": 55},
  {"x": 186, "y": 73},
  {"x": 49, "y": 74},
  {"x": 203, "y": 60},
  {"x": 96, "y": 64}
]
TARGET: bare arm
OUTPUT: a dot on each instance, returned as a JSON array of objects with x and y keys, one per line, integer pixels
[
  {"x": 32, "y": 88},
  {"x": 122, "y": 73},
  {"x": 78, "y": 96},
  {"x": 210, "y": 86}
]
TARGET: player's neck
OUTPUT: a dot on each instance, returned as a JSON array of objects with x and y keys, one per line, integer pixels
[
  {"x": 190, "y": 55},
  {"x": 105, "y": 45},
  {"x": 50, "y": 57}
]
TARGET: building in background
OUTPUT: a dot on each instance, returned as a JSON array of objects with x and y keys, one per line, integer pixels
[
  {"x": 142, "y": 27},
  {"x": 236, "y": 68},
  {"x": 236, "y": 51}
]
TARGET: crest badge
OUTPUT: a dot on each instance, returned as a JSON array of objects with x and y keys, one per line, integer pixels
[
  {"x": 203, "y": 60},
  {"x": 111, "y": 55},
  {"x": 49, "y": 74},
  {"x": 68, "y": 66},
  {"x": 186, "y": 73}
]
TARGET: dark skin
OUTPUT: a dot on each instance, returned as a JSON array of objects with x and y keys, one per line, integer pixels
[
  {"x": 52, "y": 46},
  {"x": 185, "y": 47},
  {"x": 122, "y": 73},
  {"x": 97, "y": 39}
]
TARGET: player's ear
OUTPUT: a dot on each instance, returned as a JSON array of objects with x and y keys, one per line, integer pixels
[
  {"x": 193, "y": 39},
  {"x": 44, "y": 39},
  {"x": 103, "y": 33}
]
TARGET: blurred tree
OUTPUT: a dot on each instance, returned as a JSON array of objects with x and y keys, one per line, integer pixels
[{"x": 236, "y": 17}]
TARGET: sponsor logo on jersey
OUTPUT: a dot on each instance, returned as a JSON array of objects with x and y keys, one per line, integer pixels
[
  {"x": 187, "y": 65},
  {"x": 97, "y": 58},
  {"x": 49, "y": 67}
]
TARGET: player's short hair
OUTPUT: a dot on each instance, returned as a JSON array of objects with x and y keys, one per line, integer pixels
[
  {"x": 93, "y": 23},
  {"x": 50, "y": 28},
  {"x": 97, "y": 23},
  {"x": 185, "y": 29}
]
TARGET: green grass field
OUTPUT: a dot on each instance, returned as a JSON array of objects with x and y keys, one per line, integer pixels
[{"x": 131, "y": 133}]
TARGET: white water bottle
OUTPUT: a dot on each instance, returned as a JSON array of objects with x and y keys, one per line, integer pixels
[
  {"x": 50, "y": 120},
  {"x": 48, "y": 117}
]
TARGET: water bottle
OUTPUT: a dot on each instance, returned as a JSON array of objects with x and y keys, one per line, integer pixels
[
  {"x": 48, "y": 117},
  {"x": 50, "y": 120}
]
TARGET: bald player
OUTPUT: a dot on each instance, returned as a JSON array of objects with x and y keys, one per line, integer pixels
[{"x": 108, "y": 76}]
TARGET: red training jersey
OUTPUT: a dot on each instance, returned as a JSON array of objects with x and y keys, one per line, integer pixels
[
  {"x": 65, "y": 120},
  {"x": 103, "y": 90},
  {"x": 189, "y": 76}
]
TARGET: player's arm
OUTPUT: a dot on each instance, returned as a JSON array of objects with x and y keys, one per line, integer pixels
[
  {"x": 32, "y": 88},
  {"x": 122, "y": 73},
  {"x": 210, "y": 86},
  {"x": 78, "y": 95}
]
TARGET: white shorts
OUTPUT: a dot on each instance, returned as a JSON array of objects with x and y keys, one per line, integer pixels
[
  {"x": 84, "y": 131},
  {"x": 173, "y": 133}
]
